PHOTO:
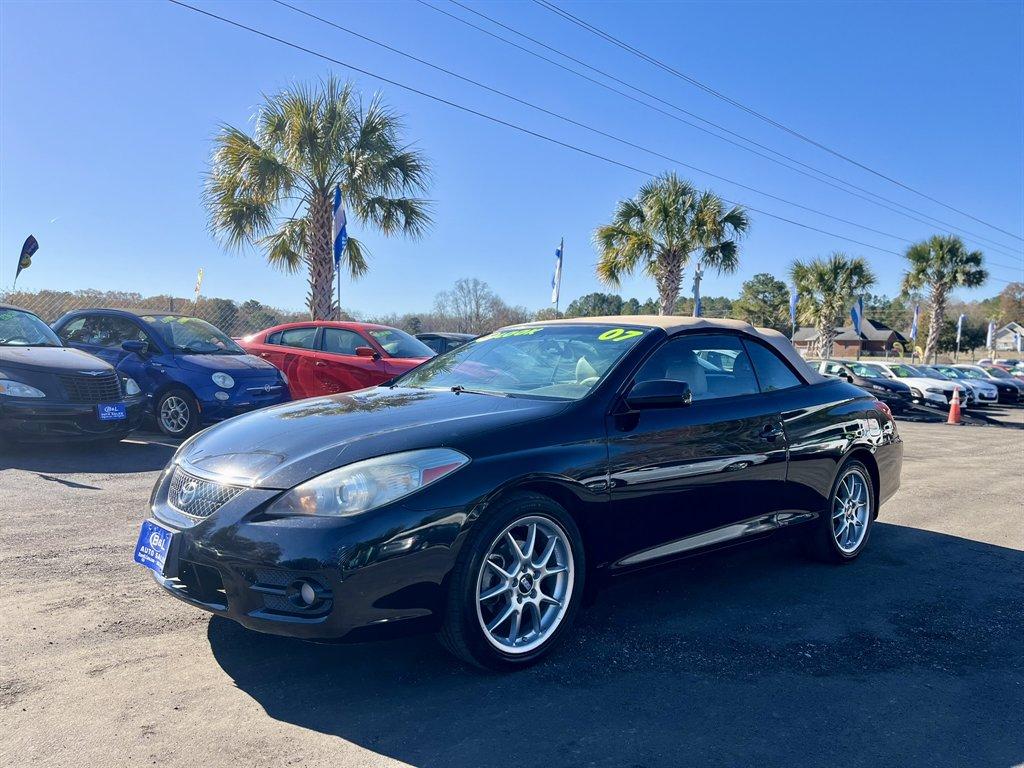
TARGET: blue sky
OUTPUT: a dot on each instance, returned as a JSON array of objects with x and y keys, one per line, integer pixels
[{"x": 108, "y": 111}]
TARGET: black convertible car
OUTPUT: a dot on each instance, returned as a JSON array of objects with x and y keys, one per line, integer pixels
[{"x": 478, "y": 494}]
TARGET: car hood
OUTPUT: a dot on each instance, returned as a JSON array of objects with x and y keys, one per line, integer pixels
[
  {"x": 236, "y": 365},
  {"x": 51, "y": 360},
  {"x": 282, "y": 446},
  {"x": 893, "y": 386}
]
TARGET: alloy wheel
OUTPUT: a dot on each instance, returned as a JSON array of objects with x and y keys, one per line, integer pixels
[
  {"x": 851, "y": 510},
  {"x": 174, "y": 414},
  {"x": 525, "y": 584}
]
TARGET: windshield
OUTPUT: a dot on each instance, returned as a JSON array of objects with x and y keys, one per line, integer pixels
[
  {"x": 934, "y": 373},
  {"x": 904, "y": 371},
  {"x": 973, "y": 373},
  {"x": 192, "y": 336},
  {"x": 552, "y": 361},
  {"x": 950, "y": 373},
  {"x": 399, "y": 343},
  {"x": 23, "y": 329},
  {"x": 866, "y": 369},
  {"x": 999, "y": 373}
]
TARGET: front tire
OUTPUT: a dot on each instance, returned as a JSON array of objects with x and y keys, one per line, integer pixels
[
  {"x": 516, "y": 586},
  {"x": 177, "y": 413},
  {"x": 842, "y": 531}
]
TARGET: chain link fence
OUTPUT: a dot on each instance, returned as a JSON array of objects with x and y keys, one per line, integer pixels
[{"x": 233, "y": 317}]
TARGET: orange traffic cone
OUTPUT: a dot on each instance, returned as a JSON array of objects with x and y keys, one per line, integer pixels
[{"x": 954, "y": 408}]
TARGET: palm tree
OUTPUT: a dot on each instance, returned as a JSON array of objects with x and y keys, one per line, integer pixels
[
  {"x": 941, "y": 263},
  {"x": 825, "y": 291},
  {"x": 273, "y": 189},
  {"x": 661, "y": 228}
]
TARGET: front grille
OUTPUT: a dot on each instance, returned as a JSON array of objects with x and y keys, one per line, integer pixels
[
  {"x": 104, "y": 388},
  {"x": 196, "y": 497}
]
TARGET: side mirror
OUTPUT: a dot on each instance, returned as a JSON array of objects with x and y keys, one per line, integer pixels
[
  {"x": 849, "y": 378},
  {"x": 139, "y": 348},
  {"x": 367, "y": 352},
  {"x": 659, "y": 393}
]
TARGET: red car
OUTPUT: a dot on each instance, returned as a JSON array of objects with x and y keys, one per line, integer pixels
[{"x": 323, "y": 357}]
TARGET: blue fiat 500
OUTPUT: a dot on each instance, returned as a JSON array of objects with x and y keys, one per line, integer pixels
[{"x": 191, "y": 373}]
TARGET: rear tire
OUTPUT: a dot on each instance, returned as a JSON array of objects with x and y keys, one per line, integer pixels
[
  {"x": 177, "y": 413},
  {"x": 842, "y": 531},
  {"x": 516, "y": 586}
]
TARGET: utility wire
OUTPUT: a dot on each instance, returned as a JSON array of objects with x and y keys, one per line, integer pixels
[
  {"x": 586, "y": 127},
  {"x": 872, "y": 197},
  {"x": 578, "y": 124},
  {"x": 761, "y": 116},
  {"x": 499, "y": 121}
]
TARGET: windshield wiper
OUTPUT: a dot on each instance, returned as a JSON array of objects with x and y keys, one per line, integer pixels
[{"x": 459, "y": 389}]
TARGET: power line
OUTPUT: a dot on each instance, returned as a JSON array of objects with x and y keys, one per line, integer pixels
[
  {"x": 500, "y": 121},
  {"x": 761, "y": 116},
  {"x": 584, "y": 126},
  {"x": 872, "y": 197}
]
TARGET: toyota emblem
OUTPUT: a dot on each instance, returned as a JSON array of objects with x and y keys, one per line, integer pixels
[{"x": 188, "y": 491}]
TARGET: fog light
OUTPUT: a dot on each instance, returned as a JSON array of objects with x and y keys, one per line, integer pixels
[
  {"x": 222, "y": 396},
  {"x": 307, "y": 593}
]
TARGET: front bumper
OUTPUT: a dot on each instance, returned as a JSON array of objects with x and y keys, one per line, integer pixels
[
  {"x": 375, "y": 575},
  {"x": 39, "y": 420},
  {"x": 242, "y": 399}
]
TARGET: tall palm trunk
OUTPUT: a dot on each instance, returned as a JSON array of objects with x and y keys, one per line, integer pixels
[
  {"x": 320, "y": 259},
  {"x": 668, "y": 279},
  {"x": 936, "y": 316},
  {"x": 826, "y": 336}
]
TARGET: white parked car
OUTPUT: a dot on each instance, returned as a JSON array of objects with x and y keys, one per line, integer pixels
[
  {"x": 924, "y": 388},
  {"x": 983, "y": 392}
]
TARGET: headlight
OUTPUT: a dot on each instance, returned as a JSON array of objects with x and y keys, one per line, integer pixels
[
  {"x": 936, "y": 390},
  {"x": 878, "y": 388},
  {"x": 368, "y": 484},
  {"x": 17, "y": 389},
  {"x": 223, "y": 380},
  {"x": 131, "y": 387}
]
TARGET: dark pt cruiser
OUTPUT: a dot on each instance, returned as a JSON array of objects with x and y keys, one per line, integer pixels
[
  {"x": 479, "y": 493},
  {"x": 50, "y": 392}
]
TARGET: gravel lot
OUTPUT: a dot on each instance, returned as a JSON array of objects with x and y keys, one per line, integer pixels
[{"x": 912, "y": 656}]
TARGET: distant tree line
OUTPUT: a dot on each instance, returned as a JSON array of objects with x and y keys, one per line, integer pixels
[{"x": 232, "y": 317}]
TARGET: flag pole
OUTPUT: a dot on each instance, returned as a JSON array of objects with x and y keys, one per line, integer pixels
[{"x": 561, "y": 248}]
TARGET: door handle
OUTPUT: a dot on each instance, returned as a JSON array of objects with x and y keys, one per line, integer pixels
[
  {"x": 264, "y": 354},
  {"x": 771, "y": 432},
  {"x": 320, "y": 363}
]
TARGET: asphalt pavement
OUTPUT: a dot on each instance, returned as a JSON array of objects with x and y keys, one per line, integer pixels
[{"x": 912, "y": 656}]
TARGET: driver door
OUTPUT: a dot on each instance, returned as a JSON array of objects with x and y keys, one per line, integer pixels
[{"x": 688, "y": 476}]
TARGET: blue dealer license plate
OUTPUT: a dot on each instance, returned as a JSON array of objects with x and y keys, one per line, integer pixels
[
  {"x": 153, "y": 545},
  {"x": 111, "y": 411}
]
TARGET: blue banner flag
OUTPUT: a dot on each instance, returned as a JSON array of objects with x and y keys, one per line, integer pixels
[
  {"x": 857, "y": 314},
  {"x": 340, "y": 229},
  {"x": 991, "y": 335},
  {"x": 959, "y": 328},
  {"x": 556, "y": 278},
  {"x": 913, "y": 325},
  {"x": 793, "y": 297}
]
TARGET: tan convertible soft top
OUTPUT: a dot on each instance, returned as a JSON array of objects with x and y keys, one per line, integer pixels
[{"x": 672, "y": 324}]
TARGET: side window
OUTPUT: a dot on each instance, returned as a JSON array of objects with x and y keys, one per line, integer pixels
[
  {"x": 74, "y": 332},
  {"x": 688, "y": 358},
  {"x": 274, "y": 338},
  {"x": 833, "y": 368},
  {"x": 338, "y": 341},
  {"x": 772, "y": 373},
  {"x": 435, "y": 343},
  {"x": 303, "y": 338}
]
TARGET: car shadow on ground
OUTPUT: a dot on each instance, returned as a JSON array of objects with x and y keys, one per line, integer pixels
[
  {"x": 139, "y": 452},
  {"x": 911, "y": 656}
]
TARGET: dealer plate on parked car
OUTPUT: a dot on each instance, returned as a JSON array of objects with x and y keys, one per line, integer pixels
[
  {"x": 153, "y": 545},
  {"x": 111, "y": 411}
]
